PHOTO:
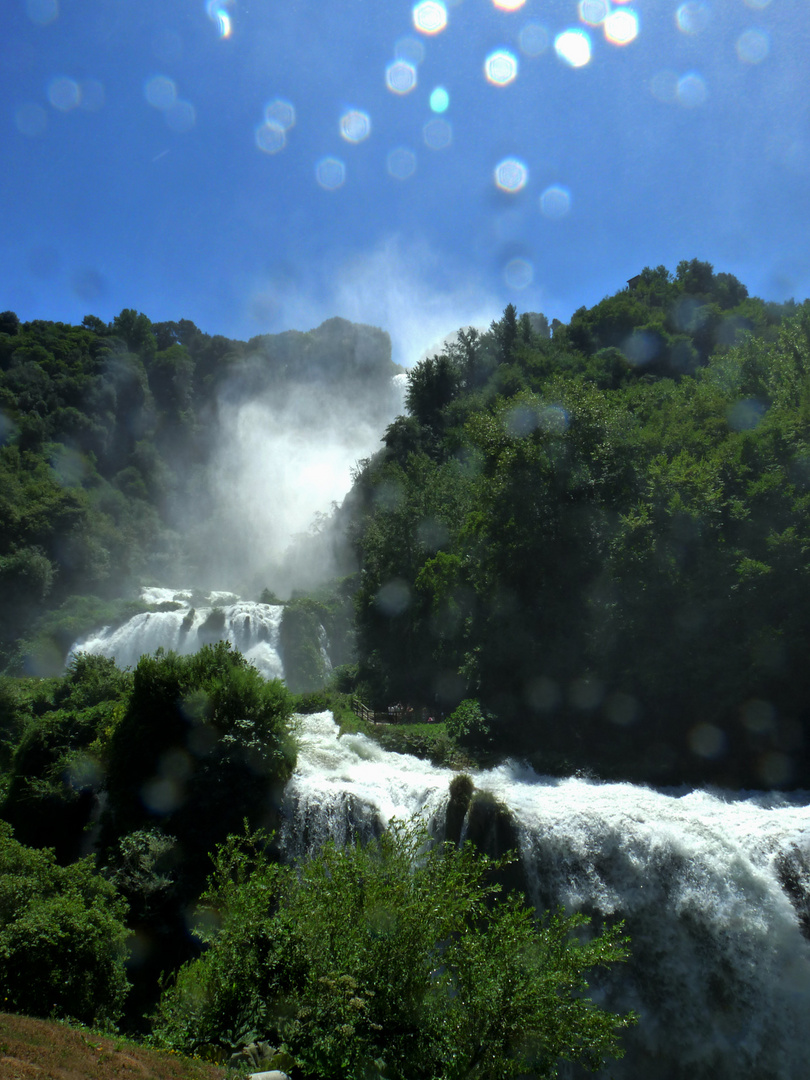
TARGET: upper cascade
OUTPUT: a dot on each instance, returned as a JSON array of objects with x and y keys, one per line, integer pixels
[{"x": 250, "y": 627}]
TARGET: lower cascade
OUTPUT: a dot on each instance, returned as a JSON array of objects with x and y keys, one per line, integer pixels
[{"x": 714, "y": 888}]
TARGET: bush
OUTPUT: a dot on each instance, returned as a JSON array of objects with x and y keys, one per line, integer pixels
[
  {"x": 395, "y": 959},
  {"x": 204, "y": 743},
  {"x": 469, "y": 725},
  {"x": 62, "y": 937}
]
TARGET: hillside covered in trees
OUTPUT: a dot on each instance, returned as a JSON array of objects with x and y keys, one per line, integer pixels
[
  {"x": 111, "y": 459},
  {"x": 597, "y": 537},
  {"x": 592, "y": 534}
]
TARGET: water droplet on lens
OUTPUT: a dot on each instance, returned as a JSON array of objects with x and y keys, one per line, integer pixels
[
  {"x": 621, "y": 27},
  {"x": 533, "y": 39},
  {"x": 355, "y": 126},
  {"x": 555, "y": 202},
  {"x": 437, "y": 134},
  {"x": 430, "y": 17},
  {"x": 511, "y": 175},
  {"x": 400, "y": 77},
  {"x": 518, "y": 273},
  {"x": 574, "y": 47},
  {"x": 63, "y": 94},
  {"x": 501, "y": 67},
  {"x": 270, "y": 138},
  {"x": 753, "y": 46},
  {"x": 439, "y": 100},
  {"x": 691, "y": 90},
  {"x": 161, "y": 92},
  {"x": 330, "y": 173},
  {"x": 401, "y": 163}
]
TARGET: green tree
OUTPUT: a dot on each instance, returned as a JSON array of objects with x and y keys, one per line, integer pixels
[
  {"x": 395, "y": 959},
  {"x": 62, "y": 937},
  {"x": 203, "y": 743}
]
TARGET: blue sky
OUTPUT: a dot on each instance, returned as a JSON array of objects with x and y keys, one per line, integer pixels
[{"x": 165, "y": 155}]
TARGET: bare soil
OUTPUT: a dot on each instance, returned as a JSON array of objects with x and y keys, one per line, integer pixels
[{"x": 46, "y": 1050}]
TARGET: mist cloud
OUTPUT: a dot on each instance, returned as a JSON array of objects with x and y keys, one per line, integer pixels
[{"x": 401, "y": 285}]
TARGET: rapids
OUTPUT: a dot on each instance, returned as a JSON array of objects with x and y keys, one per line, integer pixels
[{"x": 713, "y": 887}]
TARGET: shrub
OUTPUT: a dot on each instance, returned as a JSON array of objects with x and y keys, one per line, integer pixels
[
  {"x": 62, "y": 937},
  {"x": 394, "y": 959},
  {"x": 204, "y": 743},
  {"x": 469, "y": 725}
]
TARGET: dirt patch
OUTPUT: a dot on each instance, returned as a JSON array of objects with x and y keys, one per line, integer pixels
[{"x": 45, "y": 1050}]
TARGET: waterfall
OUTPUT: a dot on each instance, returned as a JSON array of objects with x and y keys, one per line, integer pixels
[
  {"x": 713, "y": 887},
  {"x": 250, "y": 627}
]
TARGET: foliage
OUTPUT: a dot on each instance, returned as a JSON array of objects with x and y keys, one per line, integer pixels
[
  {"x": 56, "y": 766},
  {"x": 396, "y": 959},
  {"x": 203, "y": 743},
  {"x": 62, "y": 936},
  {"x": 601, "y": 537},
  {"x": 469, "y": 725},
  {"x": 103, "y": 425}
]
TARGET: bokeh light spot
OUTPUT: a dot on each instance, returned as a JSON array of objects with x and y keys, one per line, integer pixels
[
  {"x": 533, "y": 39},
  {"x": 63, "y": 93},
  {"x": 330, "y": 172},
  {"x": 555, "y": 202},
  {"x": 508, "y": 5},
  {"x": 574, "y": 47},
  {"x": 511, "y": 175},
  {"x": 586, "y": 693},
  {"x": 439, "y": 100},
  {"x": 411, "y": 50},
  {"x": 692, "y": 17},
  {"x": 31, "y": 119},
  {"x": 501, "y": 67},
  {"x": 593, "y": 12},
  {"x": 554, "y": 419},
  {"x": 401, "y": 163},
  {"x": 691, "y": 90},
  {"x": 182, "y": 116},
  {"x": 220, "y": 16},
  {"x": 518, "y": 273},
  {"x": 622, "y": 709},
  {"x": 753, "y": 46},
  {"x": 706, "y": 740},
  {"x": 758, "y": 716},
  {"x": 42, "y": 11},
  {"x": 438, "y": 134},
  {"x": 621, "y": 27},
  {"x": 355, "y": 126},
  {"x": 430, "y": 17},
  {"x": 664, "y": 86},
  {"x": 400, "y": 77},
  {"x": 92, "y": 96},
  {"x": 775, "y": 769},
  {"x": 281, "y": 113},
  {"x": 746, "y": 414},
  {"x": 161, "y": 92},
  {"x": 394, "y": 597},
  {"x": 270, "y": 137}
]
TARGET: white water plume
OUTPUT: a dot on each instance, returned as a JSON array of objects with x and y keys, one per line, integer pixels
[
  {"x": 720, "y": 973},
  {"x": 251, "y": 628}
]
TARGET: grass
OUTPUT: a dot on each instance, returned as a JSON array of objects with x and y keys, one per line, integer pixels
[{"x": 33, "y": 1049}]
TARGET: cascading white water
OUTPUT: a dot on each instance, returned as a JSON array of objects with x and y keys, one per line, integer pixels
[
  {"x": 720, "y": 973},
  {"x": 251, "y": 628}
]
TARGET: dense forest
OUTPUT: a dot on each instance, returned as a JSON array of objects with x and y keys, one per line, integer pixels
[{"x": 597, "y": 536}]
